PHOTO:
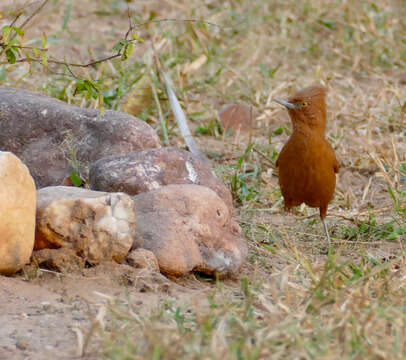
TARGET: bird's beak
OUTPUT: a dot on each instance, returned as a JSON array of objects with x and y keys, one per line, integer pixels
[{"x": 285, "y": 102}]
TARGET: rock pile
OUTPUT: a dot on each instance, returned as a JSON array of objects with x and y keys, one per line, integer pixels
[{"x": 152, "y": 207}]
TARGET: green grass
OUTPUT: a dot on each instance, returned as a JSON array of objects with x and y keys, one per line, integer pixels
[{"x": 336, "y": 310}]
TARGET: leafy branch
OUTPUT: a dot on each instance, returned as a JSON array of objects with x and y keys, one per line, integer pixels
[{"x": 13, "y": 48}]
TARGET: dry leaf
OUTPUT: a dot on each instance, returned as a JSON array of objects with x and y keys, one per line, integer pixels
[
  {"x": 140, "y": 96},
  {"x": 194, "y": 65}
]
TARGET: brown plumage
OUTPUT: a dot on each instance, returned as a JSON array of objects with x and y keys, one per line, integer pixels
[{"x": 307, "y": 163}]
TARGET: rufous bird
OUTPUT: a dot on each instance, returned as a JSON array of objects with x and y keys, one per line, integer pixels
[{"x": 307, "y": 163}]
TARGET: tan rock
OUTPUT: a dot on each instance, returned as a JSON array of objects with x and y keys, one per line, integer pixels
[
  {"x": 64, "y": 260},
  {"x": 98, "y": 226},
  {"x": 143, "y": 259},
  {"x": 238, "y": 117},
  {"x": 147, "y": 170},
  {"x": 17, "y": 213},
  {"x": 189, "y": 227}
]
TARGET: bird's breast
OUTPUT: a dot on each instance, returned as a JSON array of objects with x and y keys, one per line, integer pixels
[{"x": 306, "y": 171}]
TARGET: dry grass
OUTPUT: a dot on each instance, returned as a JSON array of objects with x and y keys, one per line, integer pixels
[{"x": 292, "y": 300}]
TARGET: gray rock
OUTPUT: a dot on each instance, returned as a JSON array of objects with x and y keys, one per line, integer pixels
[
  {"x": 44, "y": 133},
  {"x": 189, "y": 227},
  {"x": 147, "y": 170}
]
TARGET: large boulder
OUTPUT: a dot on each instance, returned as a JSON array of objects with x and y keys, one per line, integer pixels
[
  {"x": 147, "y": 170},
  {"x": 17, "y": 213},
  {"x": 48, "y": 134},
  {"x": 189, "y": 228},
  {"x": 98, "y": 226}
]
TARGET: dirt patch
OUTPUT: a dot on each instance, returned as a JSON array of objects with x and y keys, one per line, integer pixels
[{"x": 42, "y": 317}]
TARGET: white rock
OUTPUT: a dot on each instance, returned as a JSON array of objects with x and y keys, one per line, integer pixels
[{"x": 97, "y": 225}]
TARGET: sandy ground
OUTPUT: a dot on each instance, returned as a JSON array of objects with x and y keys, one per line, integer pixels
[{"x": 48, "y": 317}]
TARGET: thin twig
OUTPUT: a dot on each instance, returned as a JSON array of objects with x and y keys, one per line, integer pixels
[
  {"x": 15, "y": 19},
  {"x": 70, "y": 71},
  {"x": 11, "y": 25},
  {"x": 182, "y": 20},
  {"x": 130, "y": 25},
  {"x": 59, "y": 62},
  {"x": 32, "y": 16},
  {"x": 94, "y": 62},
  {"x": 3, "y": 45},
  {"x": 26, "y": 21}
]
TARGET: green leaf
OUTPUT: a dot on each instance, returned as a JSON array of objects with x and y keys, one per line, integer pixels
[
  {"x": 13, "y": 42},
  {"x": 75, "y": 178},
  {"x": 136, "y": 37},
  {"x": 374, "y": 7},
  {"x": 357, "y": 272},
  {"x": 119, "y": 45},
  {"x": 11, "y": 57},
  {"x": 44, "y": 59},
  {"x": 273, "y": 71},
  {"x": 43, "y": 40},
  {"x": 392, "y": 236},
  {"x": 269, "y": 248},
  {"x": 278, "y": 131},
  {"x": 394, "y": 198},
  {"x": 246, "y": 152},
  {"x": 274, "y": 155},
  {"x": 5, "y": 30},
  {"x": 88, "y": 87},
  {"x": 127, "y": 51},
  {"x": 18, "y": 31},
  {"x": 327, "y": 23}
]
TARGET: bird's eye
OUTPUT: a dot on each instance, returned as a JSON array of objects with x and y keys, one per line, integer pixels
[{"x": 303, "y": 104}]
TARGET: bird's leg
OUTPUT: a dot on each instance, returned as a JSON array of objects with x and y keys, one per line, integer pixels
[
  {"x": 326, "y": 230},
  {"x": 287, "y": 208},
  {"x": 323, "y": 213}
]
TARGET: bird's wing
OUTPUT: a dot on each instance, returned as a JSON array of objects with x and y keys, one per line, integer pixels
[
  {"x": 280, "y": 155},
  {"x": 336, "y": 165}
]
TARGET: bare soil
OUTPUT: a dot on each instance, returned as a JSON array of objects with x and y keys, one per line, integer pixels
[{"x": 48, "y": 317}]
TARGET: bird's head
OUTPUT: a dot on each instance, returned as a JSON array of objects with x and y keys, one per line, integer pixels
[{"x": 307, "y": 108}]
